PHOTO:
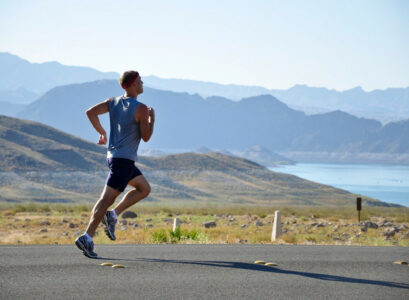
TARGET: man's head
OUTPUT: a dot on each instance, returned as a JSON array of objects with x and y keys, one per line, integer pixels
[{"x": 131, "y": 82}]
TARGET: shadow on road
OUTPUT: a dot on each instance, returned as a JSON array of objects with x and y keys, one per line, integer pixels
[{"x": 255, "y": 267}]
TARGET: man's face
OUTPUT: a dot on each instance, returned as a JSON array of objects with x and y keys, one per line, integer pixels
[{"x": 138, "y": 84}]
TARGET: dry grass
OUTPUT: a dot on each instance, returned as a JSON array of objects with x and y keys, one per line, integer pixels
[{"x": 22, "y": 224}]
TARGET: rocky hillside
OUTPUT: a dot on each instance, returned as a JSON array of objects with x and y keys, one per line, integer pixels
[{"x": 40, "y": 163}]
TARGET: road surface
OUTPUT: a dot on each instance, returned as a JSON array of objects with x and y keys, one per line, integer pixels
[{"x": 205, "y": 272}]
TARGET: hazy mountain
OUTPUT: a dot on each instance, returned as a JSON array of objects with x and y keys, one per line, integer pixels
[
  {"x": 40, "y": 163},
  {"x": 37, "y": 78},
  {"x": 22, "y": 81},
  {"x": 11, "y": 109},
  {"x": 204, "y": 89},
  {"x": 18, "y": 96},
  {"x": 189, "y": 121},
  {"x": 385, "y": 105},
  {"x": 263, "y": 156}
]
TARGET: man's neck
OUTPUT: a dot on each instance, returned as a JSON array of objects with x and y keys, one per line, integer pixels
[{"x": 128, "y": 95}]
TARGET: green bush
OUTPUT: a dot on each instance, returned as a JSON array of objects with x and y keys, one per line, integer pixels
[{"x": 159, "y": 236}]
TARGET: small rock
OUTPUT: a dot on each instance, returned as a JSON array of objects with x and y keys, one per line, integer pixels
[
  {"x": 149, "y": 225},
  {"x": 15, "y": 220},
  {"x": 27, "y": 220},
  {"x": 148, "y": 220},
  {"x": 369, "y": 224},
  {"x": 124, "y": 228},
  {"x": 129, "y": 215},
  {"x": 244, "y": 226},
  {"x": 136, "y": 225},
  {"x": 209, "y": 224},
  {"x": 64, "y": 220},
  {"x": 389, "y": 233},
  {"x": 24, "y": 226},
  {"x": 258, "y": 223},
  {"x": 314, "y": 224},
  {"x": 45, "y": 223},
  {"x": 72, "y": 225},
  {"x": 364, "y": 229},
  {"x": 19, "y": 242},
  {"x": 65, "y": 233},
  {"x": 313, "y": 217},
  {"x": 402, "y": 227},
  {"x": 43, "y": 230},
  {"x": 240, "y": 241},
  {"x": 123, "y": 222},
  {"x": 232, "y": 220},
  {"x": 167, "y": 220},
  {"x": 320, "y": 225},
  {"x": 335, "y": 229},
  {"x": 170, "y": 215},
  {"x": 387, "y": 224}
]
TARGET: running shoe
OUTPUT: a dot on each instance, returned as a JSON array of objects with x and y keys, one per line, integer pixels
[
  {"x": 86, "y": 246},
  {"x": 109, "y": 221}
]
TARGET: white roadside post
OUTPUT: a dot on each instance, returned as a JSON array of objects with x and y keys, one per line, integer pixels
[
  {"x": 176, "y": 224},
  {"x": 276, "y": 226}
]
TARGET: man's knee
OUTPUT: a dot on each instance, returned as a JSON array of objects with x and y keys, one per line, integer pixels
[{"x": 145, "y": 190}]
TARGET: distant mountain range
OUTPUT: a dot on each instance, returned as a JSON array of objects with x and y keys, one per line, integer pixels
[
  {"x": 385, "y": 105},
  {"x": 187, "y": 121},
  {"x": 40, "y": 163},
  {"x": 22, "y": 82}
]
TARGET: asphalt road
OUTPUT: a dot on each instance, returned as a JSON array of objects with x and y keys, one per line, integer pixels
[{"x": 205, "y": 272}]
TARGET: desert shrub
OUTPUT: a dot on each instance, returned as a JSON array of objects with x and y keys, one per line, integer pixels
[{"x": 159, "y": 236}]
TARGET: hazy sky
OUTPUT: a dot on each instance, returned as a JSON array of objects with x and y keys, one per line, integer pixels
[{"x": 275, "y": 44}]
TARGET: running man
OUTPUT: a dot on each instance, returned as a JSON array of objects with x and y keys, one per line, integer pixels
[{"x": 130, "y": 121}]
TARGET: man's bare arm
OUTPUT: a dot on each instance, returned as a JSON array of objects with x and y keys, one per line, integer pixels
[
  {"x": 92, "y": 114},
  {"x": 146, "y": 118}
]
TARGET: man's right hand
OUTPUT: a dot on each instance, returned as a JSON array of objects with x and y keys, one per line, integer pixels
[
  {"x": 151, "y": 113},
  {"x": 102, "y": 139}
]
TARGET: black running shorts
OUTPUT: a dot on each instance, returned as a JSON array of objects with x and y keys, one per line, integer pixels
[{"x": 121, "y": 171}]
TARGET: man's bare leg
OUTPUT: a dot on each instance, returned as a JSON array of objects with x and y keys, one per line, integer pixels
[
  {"x": 141, "y": 191},
  {"x": 107, "y": 198}
]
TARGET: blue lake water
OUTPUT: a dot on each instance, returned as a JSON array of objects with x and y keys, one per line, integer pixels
[{"x": 387, "y": 183}]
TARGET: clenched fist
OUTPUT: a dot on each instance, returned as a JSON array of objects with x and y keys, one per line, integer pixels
[{"x": 151, "y": 112}]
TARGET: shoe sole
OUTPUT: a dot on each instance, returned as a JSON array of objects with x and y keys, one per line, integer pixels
[
  {"x": 84, "y": 250},
  {"x": 105, "y": 222}
]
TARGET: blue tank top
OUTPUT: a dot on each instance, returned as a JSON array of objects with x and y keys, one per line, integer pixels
[{"x": 125, "y": 135}]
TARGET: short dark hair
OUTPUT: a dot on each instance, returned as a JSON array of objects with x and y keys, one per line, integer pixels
[{"x": 127, "y": 78}]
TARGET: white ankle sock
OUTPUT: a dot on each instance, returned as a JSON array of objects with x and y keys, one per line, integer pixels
[
  {"x": 114, "y": 214},
  {"x": 89, "y": 238}
]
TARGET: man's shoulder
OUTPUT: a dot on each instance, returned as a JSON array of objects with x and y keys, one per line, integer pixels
[{"x": 141, "y": 106}]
